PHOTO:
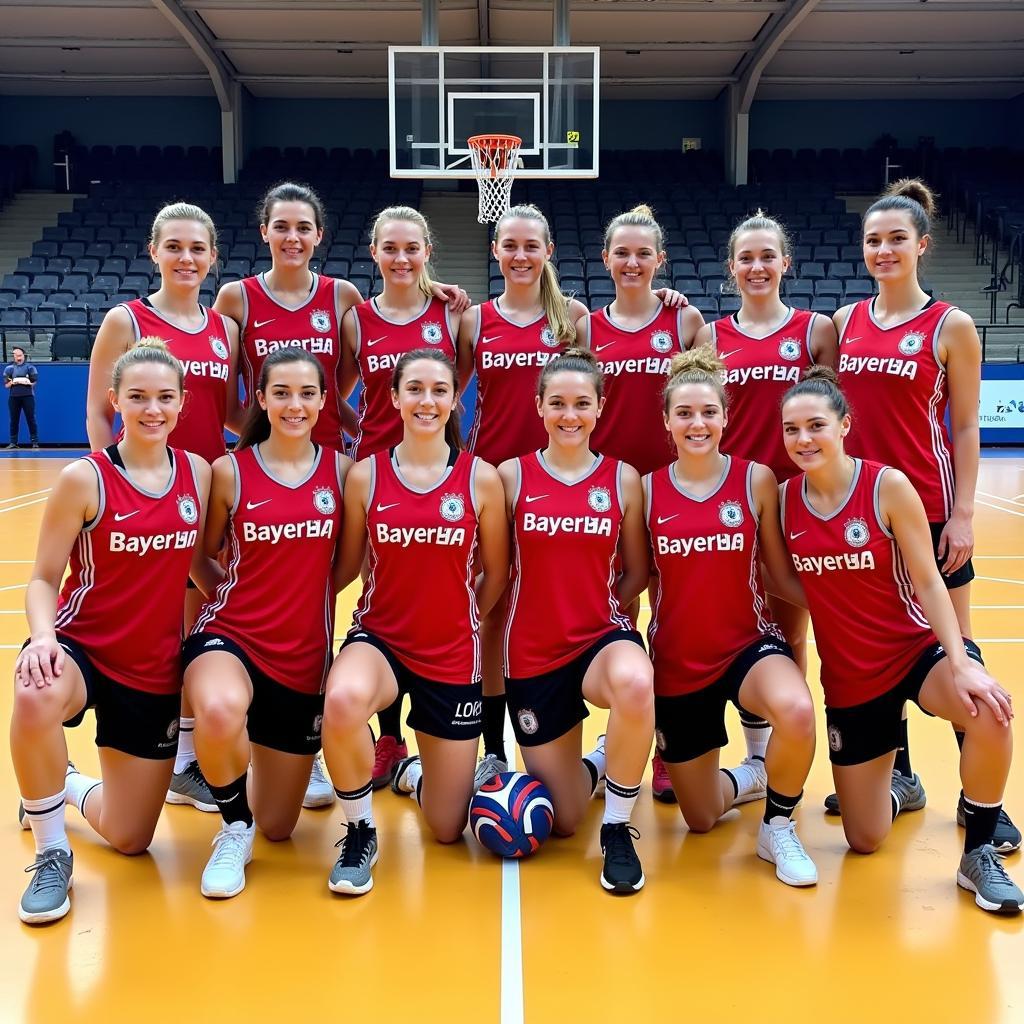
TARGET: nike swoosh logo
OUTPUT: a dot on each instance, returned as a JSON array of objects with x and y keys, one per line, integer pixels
[
  {"x": 263, "y": 323},
  {"x": 534, "y": 497},
  {"x": 384, "y": 508},
  {"x": 127, "y": 515},
  {"x": 250, "y": 505},
  {"x": 725, "y": 355},
  {"x": 665, "y": 519},
  {"x": 601, "y": 348},
  {"x": 794, "y": 536},
  {"x": 850, "y": 341},
  {"x": 493, "y": 337},
  {"x": 370, "y": 344}
]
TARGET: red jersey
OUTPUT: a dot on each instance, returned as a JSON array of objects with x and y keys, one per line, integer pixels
[
  {"x": 205, "y": 356},
  {"x": 277, "y": 600},
  {"x": 635, "y": 362},
  {"x": 867, "y": 624},
  {"x": 758, "y": 372},
  {"x": 418, "y": 596},
  {"x": 122, "y": 599},
  {"x": 705, "y": 551},
  {"x": 313, "y": 325},
  {"x": 508, "y": 359},
  {"x": 896, "y": 370},
  {"x": 379, "y": 345},
  {"x": 566, "y": 536}
]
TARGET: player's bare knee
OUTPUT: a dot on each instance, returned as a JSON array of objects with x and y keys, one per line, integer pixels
[
  {"x": 275, "y": 829},
  {"x": 129, "y": 840},
  {"x": 219, "y": 718},
  {"x": 699, "y": 819},
  {"x": 633, "y": 693},
  {"x": 795, "y": 719},
  {"x": 37, "y": 709},
  {"x": 448, "y": 831},
  {"x": 344, "y": 711},
  {"x": 864, "y": 840}
]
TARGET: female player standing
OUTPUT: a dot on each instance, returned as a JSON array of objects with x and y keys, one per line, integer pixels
[
  {"x": 887, "y": 633},
  {"x": 121, "y": 519},
  {"x": 567, "y": 638},
  {"x": 406, "y": 315},
  {"x": 183, "y": 245},
  {"x": 256, "y": 660},
  {"x": 429, "y": 510},
  {"x": 905, "y": 350},
  {"x": 712, "y": 518},
  {"x": 507, "y": 341}
]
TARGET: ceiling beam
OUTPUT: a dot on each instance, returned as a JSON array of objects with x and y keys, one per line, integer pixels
[
  {"x": 90, "y": 43},
  {"x": 941, "y": 46},
  {"x": 483, "y": 22},
  {"x": 194, "y": 31},
  {"x": 927, "y": 7}
]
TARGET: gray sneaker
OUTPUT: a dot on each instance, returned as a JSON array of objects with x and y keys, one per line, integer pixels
[
  {"x": 351, "y": 872},
  {"x": 982, "y": 872},
  {"x": 909, "y": 793},
  {"x": 487, "y": 767},
  {"x": 190, "y": 787},
  {"x": 46, "y": 898}
]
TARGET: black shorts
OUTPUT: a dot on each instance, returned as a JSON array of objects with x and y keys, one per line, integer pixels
[
  {"x": 449, "y": 711},
  {"x": 691, "y": 724},
  {"x": 132, "y": 721},
  {"x": 963, "y": 575},
  {"x": 547, "y": 706},
  {"x": 866, "y": 731},
  {"x": 279, "y": 717}
]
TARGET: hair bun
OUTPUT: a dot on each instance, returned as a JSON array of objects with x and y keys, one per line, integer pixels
[
  {"x": 916, "y": 189},
  {"x": 152, "y": 341},
  {"x": 818, "y": 372},
  {"x": 701, "y": 358}
]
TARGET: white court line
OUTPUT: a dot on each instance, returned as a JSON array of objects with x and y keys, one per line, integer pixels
[
  {"x": 995, "y": 607},
  {"x": 997, "y": 579},
  {"x": 28, "y": 561},
  {"x": 15, "y": 586},
  {"x": 1000, "y": 497},
  {"x": 987, "y": 504},
  {"x": 977, "y": 640},
  {"x": 29, "y": 494},
  {"x": 1003, "y": 558},
  {"x": 35, "y": 501},
  {"x": 511, "y": 927}
]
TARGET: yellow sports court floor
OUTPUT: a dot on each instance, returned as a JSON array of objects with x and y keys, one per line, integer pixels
[{"x": 451, "y": 934}]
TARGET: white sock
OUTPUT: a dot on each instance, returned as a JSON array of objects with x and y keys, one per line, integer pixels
[
  {"x": 357, "y": 805},
  {"x": 618, "y": 802},
  {"x": 186, "y": 745},
  {"x": 46, "y": 816},
  {"x": 745, "y": 778},
  {"x": 77, "y": 788},
  {"x": 598, "y": 759},
  {"x": 414, "y": 778},
  {"x": 757, "y": 737}
]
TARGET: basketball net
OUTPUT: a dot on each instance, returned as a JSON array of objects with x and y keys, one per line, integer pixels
[{"x": 494, "y": 162}]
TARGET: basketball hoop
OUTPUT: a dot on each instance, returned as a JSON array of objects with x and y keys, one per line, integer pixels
[{"x": 494, "y": 162}]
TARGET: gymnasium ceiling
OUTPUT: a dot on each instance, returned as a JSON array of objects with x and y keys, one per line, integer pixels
[{"x": 798, "y": 49}]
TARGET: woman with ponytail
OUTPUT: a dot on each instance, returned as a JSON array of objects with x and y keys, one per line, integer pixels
[
  {"x": 507, "y": 341},
  {"x": 257, "y": 657},
  {"x": 567, "y": 637},
  {"x": 712, "y": 517},
  {"x": 887, "y": 632},
  {"x": 424, "y": 512},
  {"x": 903, "y": 349}
]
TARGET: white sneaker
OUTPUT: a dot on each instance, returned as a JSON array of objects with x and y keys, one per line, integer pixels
[
  {"x": 751, "y": 780},
  {"x": 224, "y": 874},
  {"x": 599, "y": 788},
  {"x": 780, "y": 845},
  {"x": 320, "y": 791},
  {"x": 487, "y": 767}
]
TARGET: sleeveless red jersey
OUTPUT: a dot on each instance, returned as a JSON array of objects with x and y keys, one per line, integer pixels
[
  {"x": 635, "y": 362},
  {"x": 758, "y": 372},
  {"x": 205, "y": 356},
  {"x": 897, "y": 390},
  {"x": 313, "y": 325},
  {"x": 122, "y": 599},
  {"x": 277, "y": 600},
  {"x": 379, "y": 345},
  {"x": 705, "y": 551},
  {"x": 566, "y": 535},
  {"x": 508, "y": 359},
  {"x": 418, "y": 597},
  {"x": 867, "y": 624}
]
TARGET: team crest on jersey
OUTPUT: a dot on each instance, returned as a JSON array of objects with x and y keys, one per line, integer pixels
[
  {"x": 528, "y": 721},
  {"x": 731, "y": 513},
  {"x": 599, "y": 499},
  {"x": 323, "y": 501},
  {"x": 661, "y": 341},
  {"x": 547, "y": 337},
  {"x": 789, "y": 348},
  {"x": 220, "y": 350},
  {"x": 172, "y": 729},
  {"x": 911, "y": 343},
  {"x": 835, "y": 739},
  {"x": 659, "y": 739},
  {"x": 320, "y": 320},
  {"x": 432, "y": 333},
  {"x": 453, "y": 508},
  {"x": 856, "y": 533},
  {"x": 187, "y": 509}
]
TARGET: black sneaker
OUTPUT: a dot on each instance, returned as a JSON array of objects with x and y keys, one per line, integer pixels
[
  {"x": 1006, "y": 837},
  {"x": 351, "y": 872},
  {"x": 8, "y": 447},
  {"x": 622, "y": 871},
  {"x": 832, "y": 804}
]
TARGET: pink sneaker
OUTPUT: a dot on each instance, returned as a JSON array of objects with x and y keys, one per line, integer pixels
[
  {"x": 661, "y": 784},
  {"x": 386, "y": 755}
]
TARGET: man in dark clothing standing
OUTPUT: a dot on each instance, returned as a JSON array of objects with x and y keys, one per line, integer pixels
[{"x": 20, "y": 379}]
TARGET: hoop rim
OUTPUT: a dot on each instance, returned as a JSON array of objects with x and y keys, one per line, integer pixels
[{"x": 494, "y": 140}]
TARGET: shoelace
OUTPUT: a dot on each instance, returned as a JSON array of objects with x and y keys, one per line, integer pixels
[
  {"x": 48, "y": 872},
  {"x": 317, "y": 774},
  {"x": 194, "y": 773},
  {"x": 789, "y": 845},
  {"x": 618, "y": 848},
  {"x": 991, "y": 868},
  {"x": 355, "y": 845},
  {"x": 228, "y": 849}
]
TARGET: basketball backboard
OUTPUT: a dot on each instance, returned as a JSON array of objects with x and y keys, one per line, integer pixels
[{"x": 439, "y": 96}]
